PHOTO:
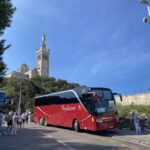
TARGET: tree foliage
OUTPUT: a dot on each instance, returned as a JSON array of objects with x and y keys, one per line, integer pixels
[
  {"x": 6, "y": 12},
  {"x": 31, "y": 88}
]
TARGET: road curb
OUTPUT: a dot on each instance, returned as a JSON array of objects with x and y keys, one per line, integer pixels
[{"x": 133, "y": 139}]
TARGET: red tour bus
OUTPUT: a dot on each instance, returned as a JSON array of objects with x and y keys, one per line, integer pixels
[{"x": 91, "y": 109}]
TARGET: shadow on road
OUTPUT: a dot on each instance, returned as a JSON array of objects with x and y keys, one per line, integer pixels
[
  {"x": 115, "y": 132},
  {"x": 106, "y": 133},
  {"x": 31, "y": 139}
]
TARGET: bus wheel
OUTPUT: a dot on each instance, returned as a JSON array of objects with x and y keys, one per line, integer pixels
[
  {"x": 45, "y": 122},
  {"x": 76, "y": 126},
  {"x": 41, "y": 121}
]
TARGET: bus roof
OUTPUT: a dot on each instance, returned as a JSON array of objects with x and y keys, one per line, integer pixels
[
  {"x": 45, "y": 95},
  {"x": 77, "y": 90}
]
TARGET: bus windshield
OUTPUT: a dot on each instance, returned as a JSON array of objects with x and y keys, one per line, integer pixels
[
  {"x": 105, "y": 102},
  {"x": 102, "y": 103}
]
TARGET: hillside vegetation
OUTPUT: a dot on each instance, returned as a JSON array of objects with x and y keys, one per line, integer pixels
[
  {"x": 125, "y": 115},
  {"x": 31, "y": 88}
]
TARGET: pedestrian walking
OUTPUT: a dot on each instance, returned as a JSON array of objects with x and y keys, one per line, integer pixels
[
  {"x": 1, "y": 118},
  {"x": 23, "y": 116},
  {"x": 14, "y": 124},
  {"x": 19, "y": 120},
  {"x": 136, "y": 121},
  {"x": 8, "y": 119},
  {"x": 26, "y": 117},
  {"x": 29, "y": 117}
]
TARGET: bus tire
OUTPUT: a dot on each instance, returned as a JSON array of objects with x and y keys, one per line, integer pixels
[
  {"x": 76, "y": 126},
  {"x": 45, "y": 122},
  {"x": 41, "y": 122}
]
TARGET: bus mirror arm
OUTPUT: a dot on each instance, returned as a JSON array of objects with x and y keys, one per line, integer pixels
[{"x": 118, "y": 95}]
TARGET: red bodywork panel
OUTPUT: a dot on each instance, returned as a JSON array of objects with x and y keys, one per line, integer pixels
[{"x": 64, "y": 115}]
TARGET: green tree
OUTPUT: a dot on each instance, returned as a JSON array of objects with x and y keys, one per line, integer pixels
[
  {"x": 31, "y": 88},
  {"x": 6, "y": 12}
]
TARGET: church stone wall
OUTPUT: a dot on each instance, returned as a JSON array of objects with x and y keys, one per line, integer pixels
[
  {"x": 42, "y": 65},
  {"x": 139, "y": 99}
]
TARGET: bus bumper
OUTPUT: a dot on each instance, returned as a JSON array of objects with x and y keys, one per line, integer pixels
[{"x": 106, "y": 126}]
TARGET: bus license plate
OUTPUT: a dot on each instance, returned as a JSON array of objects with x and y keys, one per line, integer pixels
[{"x": 110, "y": 127}]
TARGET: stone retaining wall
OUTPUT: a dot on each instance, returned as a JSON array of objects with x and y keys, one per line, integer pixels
[{"x": 139, "y": 99}]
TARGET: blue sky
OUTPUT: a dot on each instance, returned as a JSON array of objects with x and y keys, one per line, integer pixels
[{"x": 92, "y": 42}]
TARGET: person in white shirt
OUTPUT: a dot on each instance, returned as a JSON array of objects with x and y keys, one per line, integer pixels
[
  {"x": 23, "y": 116},
  {"x": 14, "y": 124},
  {"x": 19, "y": 120}
]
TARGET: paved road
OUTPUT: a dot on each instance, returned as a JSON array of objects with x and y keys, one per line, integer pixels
[{"x": 35, "y": 137}]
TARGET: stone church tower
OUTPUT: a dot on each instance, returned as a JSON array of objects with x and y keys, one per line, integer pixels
[{"x": 42, "y": 59}]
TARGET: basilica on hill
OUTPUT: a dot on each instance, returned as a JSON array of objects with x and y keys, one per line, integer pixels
[{"x": 42, "y": 64}]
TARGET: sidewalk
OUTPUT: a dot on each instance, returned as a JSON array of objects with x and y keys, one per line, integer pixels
[{"x": 130, "y": 136}]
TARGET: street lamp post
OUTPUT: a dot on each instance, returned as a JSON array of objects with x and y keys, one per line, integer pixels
[
  {"x": 146, "y": 19},
  {"x": 19, "y": 109}
]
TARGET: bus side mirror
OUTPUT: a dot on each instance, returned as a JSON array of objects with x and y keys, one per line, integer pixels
[{"x": 120, "y": 96}]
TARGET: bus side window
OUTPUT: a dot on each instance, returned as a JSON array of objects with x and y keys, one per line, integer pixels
[{"x": 37, "y": 102}]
